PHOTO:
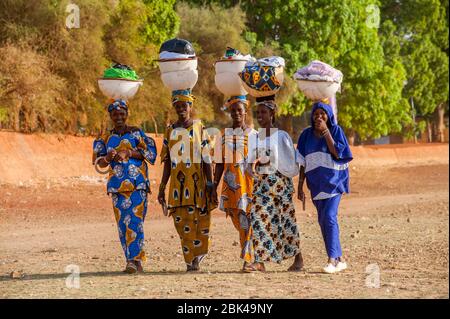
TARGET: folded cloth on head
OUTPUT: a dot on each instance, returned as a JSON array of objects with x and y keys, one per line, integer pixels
[
  {"x": 234, "y": 54},
  {"x": 319, "y": 71},
  {"x": 274, "y": 61},
  {"x": 182, "y": 95},
  {"x": 166, "y": 55},
  {"x": 234, "y": 99},
  {"x": 120, "y": 71}
]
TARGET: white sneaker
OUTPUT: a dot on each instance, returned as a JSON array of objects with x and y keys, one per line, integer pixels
[
  {"x": 341, "y": 266},
  {"x": 329, "y": 269}
]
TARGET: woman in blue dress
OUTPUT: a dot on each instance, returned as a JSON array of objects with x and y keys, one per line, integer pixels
[
  {"x": 126, "y": 149},
  {"x": 323, "y": 154}
]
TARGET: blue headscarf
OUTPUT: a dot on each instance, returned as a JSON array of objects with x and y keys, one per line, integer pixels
[
  {"x": 327, "y": 108},
  {"x": 117, "y": 105},
  {"x": 324, "y": 173}
]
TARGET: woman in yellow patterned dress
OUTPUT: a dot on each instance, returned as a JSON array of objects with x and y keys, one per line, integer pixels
[
  {"x": 190, "y": 188},
  {"x": 237, "y": 186}
]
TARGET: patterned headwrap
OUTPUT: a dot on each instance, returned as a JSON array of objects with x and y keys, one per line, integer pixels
[
  {"x": 234, "y": 99},
  {"x": 183, "y": 95},
  {"x": 267, "y": 101},
  {"x": 117, "y": 105}
]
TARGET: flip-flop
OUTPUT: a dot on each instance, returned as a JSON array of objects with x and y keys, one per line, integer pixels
[{"x": 252, "y": 268}]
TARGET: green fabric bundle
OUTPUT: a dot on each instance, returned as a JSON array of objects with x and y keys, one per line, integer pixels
[{"x": 119, "y": 71}]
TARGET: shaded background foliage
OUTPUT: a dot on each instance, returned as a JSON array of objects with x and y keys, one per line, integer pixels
[{"x": 395, "y": 73}]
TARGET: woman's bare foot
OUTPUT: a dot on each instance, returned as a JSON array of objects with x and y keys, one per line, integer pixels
[
  {"x": 139, "y": 267},
  {"x": 194, "y": 267},
  {"x": 189, "y": 268},
  {"x": 254, "y": 267},
  {"x": 298, "y": 263},
  {"x": 196, "y": 264}
]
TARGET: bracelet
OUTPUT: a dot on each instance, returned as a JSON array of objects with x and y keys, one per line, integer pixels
[
  {"x": 104, "y": 157},
  {"x": 97, "y": 168}
]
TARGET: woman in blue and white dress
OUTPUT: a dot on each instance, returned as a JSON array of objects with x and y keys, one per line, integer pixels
[{"x": 323, "y": 154}]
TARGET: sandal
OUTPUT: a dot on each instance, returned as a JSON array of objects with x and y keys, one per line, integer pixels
[
  {"x": 131, "y": 268},
  {"x": 253, "y": 267}
]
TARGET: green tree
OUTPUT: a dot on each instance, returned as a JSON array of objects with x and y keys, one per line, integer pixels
[
  {"x": 133, "y": 36},
  {"x": 422, "y": 31},
  {"x": 336, "y": 32},
  {"x": 211, "y": 29}
]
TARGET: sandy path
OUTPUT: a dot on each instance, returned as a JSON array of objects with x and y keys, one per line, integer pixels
[{"x": 395, "y": 218}]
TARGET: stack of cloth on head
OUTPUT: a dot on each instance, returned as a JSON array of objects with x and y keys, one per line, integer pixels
[
  {"x": 227, "y": 78},
  {"x": 318, "y": 80},
  {"x": 263, "y": 77},
  {"x": 119, "y": 82},
  {"x": 178, "y": 64}
]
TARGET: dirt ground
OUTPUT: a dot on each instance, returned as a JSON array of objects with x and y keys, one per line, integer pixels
[{"x": 396, "y": 220}]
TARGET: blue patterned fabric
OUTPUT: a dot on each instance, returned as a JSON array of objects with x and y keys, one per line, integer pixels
[
  {"x": 260, "y": 77},
  {"x": 117, "y": 105},
  {"x": 130, "y": 209},
  {"x": 132, "y": 174}
]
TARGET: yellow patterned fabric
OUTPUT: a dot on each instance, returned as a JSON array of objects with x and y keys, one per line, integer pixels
[
  {"x": 237, "y": 183},
  {"x": 242, "y": 223},
  {"x": 187, "y": 185},
  {"x": 192, "y": 225},
  {"x": 237, "y": 188}
]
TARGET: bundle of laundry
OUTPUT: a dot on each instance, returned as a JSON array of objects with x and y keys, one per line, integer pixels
[
  {"x": 178, "y": 64},
  {"x": 318, "y": 80},
  {"x": 263, "y": 77},
  {"x": 227, "y": 69},
  {"x": 119, "y": 82}
]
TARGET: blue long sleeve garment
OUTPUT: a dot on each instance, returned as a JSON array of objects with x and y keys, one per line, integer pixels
[{"x": 326, "y": 176}]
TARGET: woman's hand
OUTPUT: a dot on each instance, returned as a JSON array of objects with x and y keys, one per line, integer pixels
[
  {"x": 111, "y": 155},
  {"x": 301, "y": 194},
  {"x": 122, "y": 156},
  {"x": 162, "y": 196},
  {"x": 320, "y": 125},
  {"x": 214, "y": 196}
]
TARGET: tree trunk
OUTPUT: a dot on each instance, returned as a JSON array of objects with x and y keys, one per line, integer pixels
[
  {"x": 155, "y": 124},
  {"x": 285, "y": 123},
  {"x": 429, "y": 131},
  {"x": 438, "y": 124},
  {"x": 351, "y": 137}
]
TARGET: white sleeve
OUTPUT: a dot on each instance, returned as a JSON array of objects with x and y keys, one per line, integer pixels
[
  {"x": 287, "y": 159},
  {"x": 299, "y": 158}
]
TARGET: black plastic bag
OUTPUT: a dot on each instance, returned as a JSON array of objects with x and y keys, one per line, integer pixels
[{"x": 176, "y": 45}]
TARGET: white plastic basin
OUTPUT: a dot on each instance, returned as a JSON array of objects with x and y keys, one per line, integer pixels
[
  {"x": 229, "y": 84},
  {"x": 119, "y": 88},
  {"x": 233, "y": 66},
  {"x": 180, "y": 80},
  {"x": 177, "y": 65},
  {"x": 318, "y": 90}
]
